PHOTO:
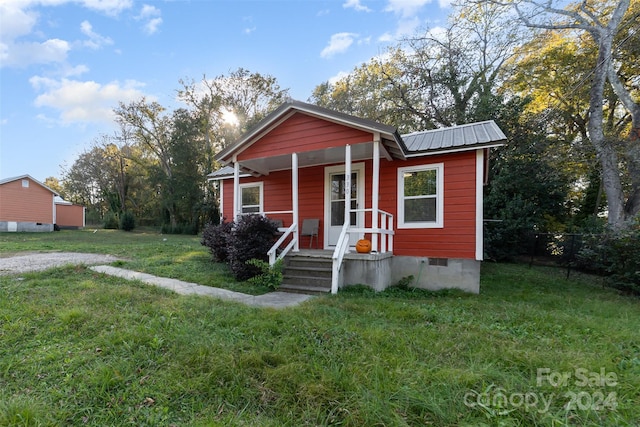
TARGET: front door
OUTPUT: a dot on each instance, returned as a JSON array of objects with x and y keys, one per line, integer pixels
[{"x": 335, "y": 201}]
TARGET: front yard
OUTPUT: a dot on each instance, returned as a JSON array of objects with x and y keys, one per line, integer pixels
[{"x": 79, "y": 348}]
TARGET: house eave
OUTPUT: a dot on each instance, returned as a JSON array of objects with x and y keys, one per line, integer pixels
[
  {"x": 427, "y": 153},
  {"x": 389, "y": 136}
]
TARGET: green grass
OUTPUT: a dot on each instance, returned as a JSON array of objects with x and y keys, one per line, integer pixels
[
  {"x": 176, "y": 256},
  {"x": 80, "y": 348}
]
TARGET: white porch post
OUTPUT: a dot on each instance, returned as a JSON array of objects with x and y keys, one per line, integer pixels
[
  {"x": 347, "y": 184},
  {"x": 294, "y": 202},
  {"x": 236, "y": 189},
  {"x": 220, "y": 185},
  {"x": 375, "y": 189}
]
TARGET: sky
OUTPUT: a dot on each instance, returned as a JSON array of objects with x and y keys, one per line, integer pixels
[{"x": 64, "y": 65}]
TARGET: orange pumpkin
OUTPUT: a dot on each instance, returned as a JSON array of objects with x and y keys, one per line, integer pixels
[{"x": 363, "y": 246}]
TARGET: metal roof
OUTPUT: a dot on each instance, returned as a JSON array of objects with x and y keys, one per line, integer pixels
[{"x": 455, "y": 138}]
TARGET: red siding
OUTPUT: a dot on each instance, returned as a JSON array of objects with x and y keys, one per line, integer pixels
[
  {"x": 70, "y": 215},
  {"x": 300, "y": 133},
  {"x": 455, "y": 240},
  {"x": 30, "y": 204}
]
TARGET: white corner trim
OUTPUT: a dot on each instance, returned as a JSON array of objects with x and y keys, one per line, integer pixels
[{"x": 479, "y": 205}]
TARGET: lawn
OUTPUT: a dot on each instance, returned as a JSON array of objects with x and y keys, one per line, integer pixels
[{"x": 533, "y": 349}]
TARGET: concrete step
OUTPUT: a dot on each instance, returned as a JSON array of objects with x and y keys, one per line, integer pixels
[
  {"x": 308, "y": 271},
  {"x": 302, "y": 289},
  {"x": 306, "y": 280}
]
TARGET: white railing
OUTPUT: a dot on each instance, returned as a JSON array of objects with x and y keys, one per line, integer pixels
[
  {"x": 384, "y": 232},
  {"x": 273, "y": 252},
  {"x": 341, "y": 249}
]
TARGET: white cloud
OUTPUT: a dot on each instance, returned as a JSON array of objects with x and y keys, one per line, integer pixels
[
  {"x": 28, "y": 53},
  {"x": 84, "y": 101},
  {"x": 356, "y": 5},
  {"x": 149, "y": 11},
  {"x": 15, "y": 21},
  {"x": 406, "y": 8},
  {"x": 151, "y": 15},
  {"x": 110, "y": 7},
  {"x": 151, "y": 27},
  {"x": 96, "y": 41},
  {"x": 339, "y": 43},
  {"x": 341, "y": 75}
]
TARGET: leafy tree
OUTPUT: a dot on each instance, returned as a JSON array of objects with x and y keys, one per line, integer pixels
[
  {"x": 436, "y": 79},
  {"x": 603, "y": 22},
  {"x": 527, "y": 193}
]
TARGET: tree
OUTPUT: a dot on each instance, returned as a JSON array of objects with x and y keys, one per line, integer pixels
[
  {"x": 228, "y": 105},
  {"x": 151, "y": 128},
  {"x": 435, "y": 79},
  {"x": 602, "y": 23},
  {"x": 53, "y": 183}
]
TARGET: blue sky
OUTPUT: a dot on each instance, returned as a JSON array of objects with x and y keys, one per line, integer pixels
[{"x": 64, "y": 65}]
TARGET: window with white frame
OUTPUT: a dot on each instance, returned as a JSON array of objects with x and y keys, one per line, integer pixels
[
  {"x": 420, "y": 196},
  {"x": 251, "y": 198}
]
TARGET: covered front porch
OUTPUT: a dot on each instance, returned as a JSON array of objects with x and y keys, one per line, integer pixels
[{"x": 344, "y": 216}]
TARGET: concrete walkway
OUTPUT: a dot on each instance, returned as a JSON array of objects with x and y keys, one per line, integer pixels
[{"x": 272, "y": 299}]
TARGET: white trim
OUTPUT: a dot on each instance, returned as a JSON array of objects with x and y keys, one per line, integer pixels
[
  {"x": 295, "y": 199},
  {"x": 328, "y": 170},
  {"x": 260, "y": 186},
  {"x": 221, "y": 204},
  {"x": 236, "y": 189},
  {"x": 375, "y": 190},
  {"x": 453, "y": 150},
  {"x": 479, "y": 205},
  {"x": 439, "y": 222}
]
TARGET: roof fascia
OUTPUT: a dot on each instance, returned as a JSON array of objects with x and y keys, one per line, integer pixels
[
  {"x": 455, "y": 150},
  {"x": 16, "y": 178}
]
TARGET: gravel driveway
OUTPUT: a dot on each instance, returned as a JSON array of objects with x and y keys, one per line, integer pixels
[{"x": 44, "y": 260}]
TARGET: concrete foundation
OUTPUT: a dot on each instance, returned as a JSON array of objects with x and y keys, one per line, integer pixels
[
  {"x": 380, "y": 271},
  {"x": 13, "y": 226}
]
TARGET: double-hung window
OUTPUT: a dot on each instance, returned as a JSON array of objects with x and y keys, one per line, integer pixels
[
  {"x": 420, "y": 196},
  {"x": 251, "y": 198}
]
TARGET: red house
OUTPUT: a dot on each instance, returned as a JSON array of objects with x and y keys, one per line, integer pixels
[
  {"x": 417, "y": 198},
  {"x": 26, "y": 204}
]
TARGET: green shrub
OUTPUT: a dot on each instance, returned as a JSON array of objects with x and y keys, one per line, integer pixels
[
  {"x": 127, "y": 221},
  {"x": 270, "y": 276},
  {"x": 110, "y": 221},
  {"x": 216, "y": 238},
  {"x": 616, "y": 255},
  {"x": 252, "y": 237}
]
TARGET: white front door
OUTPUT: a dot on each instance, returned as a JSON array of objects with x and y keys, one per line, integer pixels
[{"x": 335, "y": 202}]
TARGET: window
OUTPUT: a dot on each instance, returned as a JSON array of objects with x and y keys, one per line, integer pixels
[
  {"x": 25, "y": 183},
  {"x": 420, "y": 196},
  {"x": 251, "y": 198}
]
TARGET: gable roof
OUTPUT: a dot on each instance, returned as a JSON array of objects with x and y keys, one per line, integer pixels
[
  {"x": 16, "y": 178},
  {"x": 437, "y": 141},
  {"x": 389, "y": 135}
]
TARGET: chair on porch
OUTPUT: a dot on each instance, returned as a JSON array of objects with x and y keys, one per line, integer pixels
[{"x": 310, "y": 228}]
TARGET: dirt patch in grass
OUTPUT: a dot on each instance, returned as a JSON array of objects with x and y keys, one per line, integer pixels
[{"x": 38, "y": 261}]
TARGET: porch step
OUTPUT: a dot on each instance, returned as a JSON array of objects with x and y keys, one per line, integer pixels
[{"x": 307, "y": 274}]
